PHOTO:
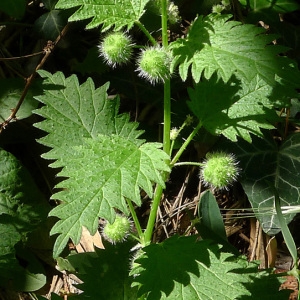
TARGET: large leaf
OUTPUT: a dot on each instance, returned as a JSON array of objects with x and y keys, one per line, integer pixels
[
  {"x": 108, "y": 270},
  {"x": 100, "y": 153},
  {"x": 215, "y": 44},
  {"x": 103, "y": 172},
  {"x": 186, "y": 268},
  {"x": 22, "y": 208},
  {"x": 107, "y": 12},
  {"x": 264, "y": 162},
  {"x": 233, "y": 108},
  {"x": 74, "y": 112}
]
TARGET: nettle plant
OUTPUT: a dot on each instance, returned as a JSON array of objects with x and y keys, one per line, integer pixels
[{"x": 237, "y": 79}]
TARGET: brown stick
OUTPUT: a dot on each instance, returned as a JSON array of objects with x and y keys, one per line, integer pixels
[{"x": 48, "y": 49}]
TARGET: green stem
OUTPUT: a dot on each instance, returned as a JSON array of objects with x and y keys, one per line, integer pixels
[
  {"x": 167, "y": 116},
  {"x": 166, "y": 132},
  {"x": 146, "y": 32},
  {"x": 164, "y": 23},
  {"x": 135, "y": 220},
  {"x": 185, "y": 144},
  {"x": 167, "y": 84},
  {"x": 189, "y": 163},
  {"x": 185, "y": 123},
  {"x": 152, "y": 216}
]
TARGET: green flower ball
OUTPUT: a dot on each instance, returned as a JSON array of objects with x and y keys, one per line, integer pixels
[
  {"x": 219, "y": 170},
  {"x": 154, "y": 65},
  {"x": 116, "y": 48},
  {"x": 117, "y": 231}
]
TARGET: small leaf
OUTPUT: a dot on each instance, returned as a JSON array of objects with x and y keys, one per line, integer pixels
[
  {"x": 10, "y": 93},
  {"x": 108, "y": 12},
  {"x": 186, "y": 268},
  {"x": 21, "y": 201},
  {"x": 33, "y": 277},
  {"x": 210, "y": 216}
]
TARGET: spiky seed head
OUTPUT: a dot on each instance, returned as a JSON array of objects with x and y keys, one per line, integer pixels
[
  {"x": 118, "y": 231},
  {"x": 154, "y": 64},
  {"x": 219, "y": 170},
  {"x": 116, "y": 48}
]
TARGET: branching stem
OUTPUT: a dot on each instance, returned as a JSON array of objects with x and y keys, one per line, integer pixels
[{"x": 185, "y": 144}]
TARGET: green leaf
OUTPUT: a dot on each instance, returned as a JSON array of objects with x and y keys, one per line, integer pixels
[
  {"x": 21, "y": 202},
  {"x": 74, "y": 112},
  {"x": 210, "y": 216},
  {"x": 186, "y": 268},
  {"x": 50, "y": 24},
  {"x": 49, "y": 4},
  {"x": 279, "y": 164},
  {"x": 103, "y": 173},
  {"x": 33, "y": 277},
  {"x": 15, "y": 9},
  {"x": 22, "y": 208},
  {"x": 9, "y": 238},
  {"x": 103, "y": 160},
  {"x": 279, "y": 6},
  {"x": 233, "y": 108},
  {"x": 108, "y": 270},
  {"x": 10, "y": 92},
  {"x": 108, "y": 12},
  {"x": 215, "y": 44}
]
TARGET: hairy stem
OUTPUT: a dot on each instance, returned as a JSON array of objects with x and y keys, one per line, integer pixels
[
  {"x": 153, "y": 212},
  {"x": 189, "y": 163},
  {"x": 135, "y": 220},
  {"x": 167, "y": 128},
  {"x": 146, "y": 32}
]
